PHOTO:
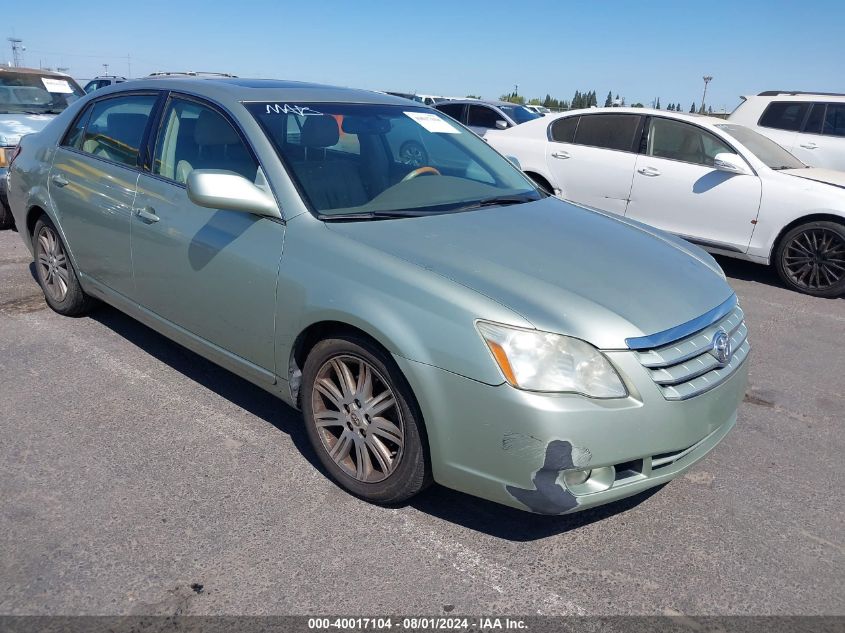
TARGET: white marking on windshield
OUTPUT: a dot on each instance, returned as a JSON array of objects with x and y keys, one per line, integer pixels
[{"x": 291, "y": 109}]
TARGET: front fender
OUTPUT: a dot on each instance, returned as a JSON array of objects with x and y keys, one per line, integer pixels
[{"x": 412, "y": 312}]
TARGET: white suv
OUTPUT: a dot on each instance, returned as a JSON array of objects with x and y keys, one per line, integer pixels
[{"x": 810, "y": 125}]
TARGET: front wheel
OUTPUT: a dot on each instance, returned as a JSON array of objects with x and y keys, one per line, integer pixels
[
  {"x": 363, "y": 421},
  {"x": 811, "y": 259}
]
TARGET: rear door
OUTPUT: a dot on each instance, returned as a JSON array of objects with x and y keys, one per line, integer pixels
[
  {"x": 782, "y": 121},
  {"x": 210, "y": 271},
  {"x": 677, "y": 189},
  {"x": 592, "y": 158},
  {"x": 822, "y": 142},
  {"x": 92, "y": 185}
]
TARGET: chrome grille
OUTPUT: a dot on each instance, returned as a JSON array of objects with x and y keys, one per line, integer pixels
[{"x": 686, "y": 368}]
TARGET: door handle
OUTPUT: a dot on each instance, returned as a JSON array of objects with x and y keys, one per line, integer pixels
[
  {"x": 561, "y": 155},
  {"x": 148, "y": 215},
  {"x": 59, "y": 180},
  {"x": 810, "y": 145},
  {"x": 649, "y": 171}
]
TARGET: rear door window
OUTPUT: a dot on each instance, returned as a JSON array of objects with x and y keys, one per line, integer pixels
[
  {"x": 609, "y": 131},
  {"x": 116, "y": 128},
  {"x": 834, "y": 120},
  {"x": 563, "y": 130},
  {"x": 815, "y": 119},
  {"x": 785, "y": 115},
  {"x": 454, "y": 110}
]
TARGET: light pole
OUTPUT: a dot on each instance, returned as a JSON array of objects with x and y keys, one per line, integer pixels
[
  {"x": 707, "y": 79},
  {"x": 17, "y": 50}
]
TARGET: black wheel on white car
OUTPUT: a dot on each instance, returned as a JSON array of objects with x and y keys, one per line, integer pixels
[
  {"x": 363, "y": 420},
  {"x": 55, "y": 272},
  {"x": 810, "y": 258}
]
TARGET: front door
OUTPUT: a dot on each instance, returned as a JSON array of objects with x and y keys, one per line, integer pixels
[
  {"x": 677, "y": 189},
  {"x": 212, "y": 272},
  {"x": 92, "y": 186}
]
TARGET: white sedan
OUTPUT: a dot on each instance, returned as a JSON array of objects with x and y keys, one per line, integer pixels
[{"x": 717, "y": 184}]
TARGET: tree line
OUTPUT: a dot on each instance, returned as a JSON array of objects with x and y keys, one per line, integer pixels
[{"x": 590, "y": 100}]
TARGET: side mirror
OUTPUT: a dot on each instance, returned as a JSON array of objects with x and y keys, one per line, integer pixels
[
  {"x": 515, "y": 161},
  {"x": 501, "y": 125},
  {"x": 730, "y": 163},
  {"x": 220, "y": 189}
]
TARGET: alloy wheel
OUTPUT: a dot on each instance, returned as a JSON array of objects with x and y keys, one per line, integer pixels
[
  {"x": 52, "y": 263},
  {"x": 815, "y": 259},
  {"x": 358, "y": 418}
]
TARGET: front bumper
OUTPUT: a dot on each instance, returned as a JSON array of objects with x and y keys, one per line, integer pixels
[{"x": 512, "y": 446}]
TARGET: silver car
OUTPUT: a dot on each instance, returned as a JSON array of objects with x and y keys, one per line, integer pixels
[
  {"x": 483, "y": 116},
  {"x": 443, "y": 322},
  {"x": 29, "y": 99}
]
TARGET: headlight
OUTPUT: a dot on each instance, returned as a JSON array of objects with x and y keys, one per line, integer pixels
[{"x": 542, "y": 361}]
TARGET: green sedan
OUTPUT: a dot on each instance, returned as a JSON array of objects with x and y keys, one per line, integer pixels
[{"x": 435, "y": 319}]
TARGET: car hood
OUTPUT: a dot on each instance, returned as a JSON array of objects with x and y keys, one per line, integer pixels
[
  {"x": 827, "y": 176},
  {"x": 562, "y": 267},
  {"x": 14, "y": 125}
]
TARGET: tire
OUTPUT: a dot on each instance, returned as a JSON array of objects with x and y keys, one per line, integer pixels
[
  {"x": 55, "y": 272},
  {"x": 541, "y": 182},
  {"x": 7, "y": 220},
  {"x": 810, "y": 258},
  {"x": 370, "y": 462}
]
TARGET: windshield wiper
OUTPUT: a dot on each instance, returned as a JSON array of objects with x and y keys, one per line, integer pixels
[
  {"x": 496, "y": 201},
  {"x": 372, "y": 215}
]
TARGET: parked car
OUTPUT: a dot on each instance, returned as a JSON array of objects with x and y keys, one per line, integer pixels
[
  {"x": 483, "y": 116},
  {"x": 429, "y": 100},
  {"x": 541, "y": 110},
  {"x": 447, "y": 322},
  {"x": 810, "y": 125},
  {"x": 720, "y": 185},
  {"x": 29, "y": 99},
  {"x": 102, "y": 81}
]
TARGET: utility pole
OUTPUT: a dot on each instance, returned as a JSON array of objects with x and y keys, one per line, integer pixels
[
  {"x": 128, "y": 66},
  {"x": 17, "y": 50},
  {"x": 707, "y": 79},
  {"x": 105, "y": 69}
]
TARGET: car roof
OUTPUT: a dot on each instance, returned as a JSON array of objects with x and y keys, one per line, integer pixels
[
  {"x": 492, "y": 102},
  {"x": 33, "y": 71},
  {"x": 251, "y": 90},
  {"x": 547, "y": 120}
]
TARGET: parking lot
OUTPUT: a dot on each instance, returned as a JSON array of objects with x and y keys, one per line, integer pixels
[{"x": 132, "y": 470}]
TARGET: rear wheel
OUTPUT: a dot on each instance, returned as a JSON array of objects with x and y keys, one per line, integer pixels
[
  {"x": 811, "y": 259},
  {"x": 55, "y": 272},
  {"x": 363, "y": 421},
  {"x": 7, "y": 221}
]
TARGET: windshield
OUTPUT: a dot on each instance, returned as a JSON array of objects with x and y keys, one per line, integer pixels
[
  {"x": 359, "y": 159},
  {"x": 769, "y": 152},
  {"x": 36, "y": 94},
  {"x": 519, "y": 113}
]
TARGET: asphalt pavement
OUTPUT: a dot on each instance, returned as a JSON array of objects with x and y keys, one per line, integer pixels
[{"x": 132, "y": 471}]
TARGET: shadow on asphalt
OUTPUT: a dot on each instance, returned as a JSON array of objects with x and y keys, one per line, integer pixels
[
  {"x": 748, "y": 271},
  {"x": 449, "y": 505}
]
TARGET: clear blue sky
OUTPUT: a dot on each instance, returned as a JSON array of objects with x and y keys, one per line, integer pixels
[{"x": 641, "y": 50}]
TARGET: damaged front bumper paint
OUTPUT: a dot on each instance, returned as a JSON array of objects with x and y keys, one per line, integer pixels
[{"x": 513, "y": 447}]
